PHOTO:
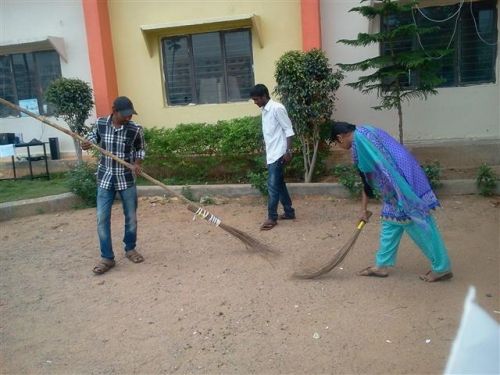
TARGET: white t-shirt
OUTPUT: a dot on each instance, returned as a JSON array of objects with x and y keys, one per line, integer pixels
[{"x": 276, "y": 127}]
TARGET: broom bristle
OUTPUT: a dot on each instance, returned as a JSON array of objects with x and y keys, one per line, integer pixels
[
  {"x": 334, "y": 262},
  {"x": 249, "y": 241}
]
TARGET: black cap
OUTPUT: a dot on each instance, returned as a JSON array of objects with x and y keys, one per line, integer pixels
[{"x": 124, "y": 106}]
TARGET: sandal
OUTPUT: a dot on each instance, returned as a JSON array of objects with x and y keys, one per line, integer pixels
[
  {"x": 432, "y": 277},
  {"x": 286, "y": 217},
  {"x": 370, "y": 271},
  {"x": 134, "y": 256},
  {"x": 103, "y": 266},
  {"x": 268, "y": 225}
]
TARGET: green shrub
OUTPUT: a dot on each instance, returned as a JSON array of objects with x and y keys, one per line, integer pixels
[
  {"x": 349, "y": 177},
  {"x": 200, "y": 153},
  {"x": 187, "y": 193},
  {"x": 71, "y": 99},
  {"x": 306, "y": 86},
  {"x": 258, "y": 180},
  {"x": 82, "y": 182},
  {"x": 486, "y": 181},
  {"x": 433, "y": 173},
  {"x": 225, "y": 152}
]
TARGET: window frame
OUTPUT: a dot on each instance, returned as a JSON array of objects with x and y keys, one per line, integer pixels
[
  {"x": 457, "y": 46},
  {"x": 35, "y": 78},
  {"x": 192, "y": 67}
]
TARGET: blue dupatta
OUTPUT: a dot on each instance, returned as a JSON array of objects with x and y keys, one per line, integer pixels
[{"x": 395, "y": 174}]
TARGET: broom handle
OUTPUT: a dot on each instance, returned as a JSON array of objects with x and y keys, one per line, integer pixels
[
  {"x": 101, "y": 150},
  {"x": 362, "y": 222}
]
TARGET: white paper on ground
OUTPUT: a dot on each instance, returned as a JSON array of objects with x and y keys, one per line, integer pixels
[{"x": 476, "y": 349}]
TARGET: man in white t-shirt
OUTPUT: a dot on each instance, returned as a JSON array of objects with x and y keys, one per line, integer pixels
[{"x": 278, "y": 132}]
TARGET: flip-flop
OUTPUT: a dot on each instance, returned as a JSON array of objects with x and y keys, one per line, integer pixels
[
  {"x": 286, "y": 217},
  {"x": 369, "y": 271},
  {"x": 428, "y": 277},
  {"x": 134, "y": 256},
  {"x": 103, "y": 266},
  {"x": 268, "y": 225}
]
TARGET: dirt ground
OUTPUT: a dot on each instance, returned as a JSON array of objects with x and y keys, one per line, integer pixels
[{"x": 201, "y": 303}]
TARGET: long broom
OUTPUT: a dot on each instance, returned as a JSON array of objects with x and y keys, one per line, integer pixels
[
  {"x": 249, "y": 241},
  {"x": 338, "y": 257}
]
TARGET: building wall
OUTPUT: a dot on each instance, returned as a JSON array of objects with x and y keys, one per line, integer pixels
[
  {"x": 455, "y": 113},
  {"x": 139, "y": 75},
  {"x": 23, "y": 21}
]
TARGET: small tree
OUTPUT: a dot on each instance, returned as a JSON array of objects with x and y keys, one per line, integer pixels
[
  {"x": 72, "y": 100},
  {"x": 306, "y": 85},
  {"x": 394, "y": 66}
]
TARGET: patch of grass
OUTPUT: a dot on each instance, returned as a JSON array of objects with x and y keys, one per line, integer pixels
[
  {"x": 349, "y": 177},
  {"x": 188, "y": 193},
  {"x": 486, "y": 181},
  {"x": 433, "y": 173},
  {"x": 15, "y": 190}
]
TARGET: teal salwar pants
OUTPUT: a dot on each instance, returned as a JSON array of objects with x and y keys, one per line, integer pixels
[{"x": 429, "y": 241}]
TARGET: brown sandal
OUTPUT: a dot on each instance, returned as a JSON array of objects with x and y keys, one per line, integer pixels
[
  {"x": 134, "y": 256},
  {"x": 370, "y": 271},
  {"x": 432, "y": 277},
  {"x": 268, "y": 225},
  {"x": 103, "y": 266}
]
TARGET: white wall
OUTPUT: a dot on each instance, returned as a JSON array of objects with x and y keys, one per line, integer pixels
[
  {"x": 23, "y": 21},
  {"x": 455, "y": 113}
]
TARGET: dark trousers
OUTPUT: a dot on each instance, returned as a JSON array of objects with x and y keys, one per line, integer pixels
[{"x": 277, "y": 191}]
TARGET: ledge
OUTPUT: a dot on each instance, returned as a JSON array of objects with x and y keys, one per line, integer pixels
[
  {"x": 62, "y": 202},
  {"x": 151, "y": 32},
  {"x": 47, "y": 44}
]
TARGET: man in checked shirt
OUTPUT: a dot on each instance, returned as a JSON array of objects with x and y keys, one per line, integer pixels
[{"x": 118, "y": 134}]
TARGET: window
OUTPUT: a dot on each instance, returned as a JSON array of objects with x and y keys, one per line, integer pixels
[
  {"x": 25, "y": 76},
  {"x": 473, "y": 38},
  {"x": 214, "y": 67}
]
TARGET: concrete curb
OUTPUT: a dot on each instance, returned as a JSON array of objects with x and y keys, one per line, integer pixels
[
  {"x": 43, "y": 205},
  {"x": 61, "y": 202}
]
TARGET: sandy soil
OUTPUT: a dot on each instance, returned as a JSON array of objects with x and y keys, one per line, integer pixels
[{"x": 201, "y": 303}]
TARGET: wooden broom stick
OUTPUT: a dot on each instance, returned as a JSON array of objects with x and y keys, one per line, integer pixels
[
  {"x": 248, "y": 240},
  {"x": 338, "y": 257}
]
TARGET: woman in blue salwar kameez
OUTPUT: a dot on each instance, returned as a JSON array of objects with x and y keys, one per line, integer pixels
[{"x": 388, "y": 168}]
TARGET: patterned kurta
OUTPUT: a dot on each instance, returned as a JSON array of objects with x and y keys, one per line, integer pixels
[{"x": 394, "y": 173}]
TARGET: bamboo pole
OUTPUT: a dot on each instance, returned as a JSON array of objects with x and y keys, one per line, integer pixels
[{"x": 248, "y": 240}]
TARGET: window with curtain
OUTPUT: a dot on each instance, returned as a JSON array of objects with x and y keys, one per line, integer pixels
[
  {"x": 472, "y": 37},
  {"x": 214, "y": 67},
  {"x": 24, "y": 77}
]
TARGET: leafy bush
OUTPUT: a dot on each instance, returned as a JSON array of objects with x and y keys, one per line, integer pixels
[
  {"x": 198, "y": 153},
  {"x": 306, "y": 85},
  {"x": 82, "y": 181},
  {"x": 227, "y": 151},
  {"x": 187, "y": 193},
  {"x": 486, "y": 181},
  {"x": 71, "y": 99},
  {"x": 433, "y": 173},
  {"x": 349, "y": 177},
  {"x": 258, "y": 180}
]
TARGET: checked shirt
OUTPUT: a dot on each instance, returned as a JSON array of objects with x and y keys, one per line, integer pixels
[{"x": 125, "y": 142}]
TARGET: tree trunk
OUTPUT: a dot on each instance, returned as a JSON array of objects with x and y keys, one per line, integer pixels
[
  {"x": 400, "y": 115},
  {"x": 305, "y": 155},
  {"x": 308, "y": 175},
  {"x": 78, "y": 150}
]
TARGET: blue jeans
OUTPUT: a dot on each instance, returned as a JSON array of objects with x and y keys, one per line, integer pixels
[
  {"x": 277, "y": 191},
  {"x": 105, "y": 200}
]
